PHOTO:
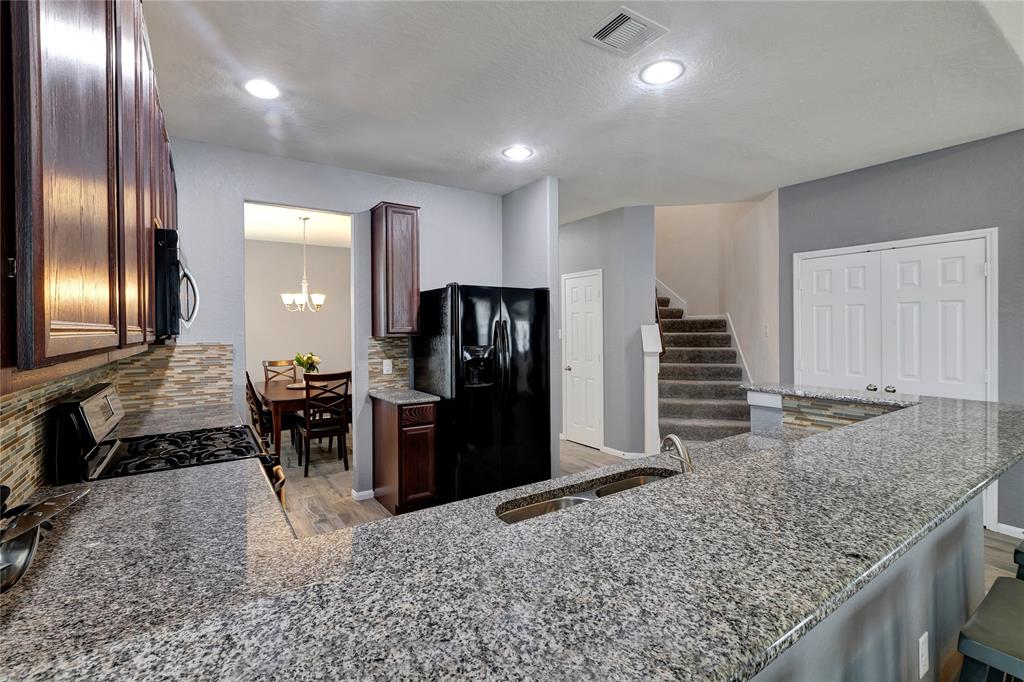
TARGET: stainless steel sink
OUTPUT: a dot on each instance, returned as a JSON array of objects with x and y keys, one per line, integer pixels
[
  {"x": 626, "y": 484},
  {"x": 572, "y": 496},
  {"x": 536, "y": 509}
]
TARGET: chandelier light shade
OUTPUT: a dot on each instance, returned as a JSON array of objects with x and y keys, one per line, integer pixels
[{"x": 303, "y": 300}]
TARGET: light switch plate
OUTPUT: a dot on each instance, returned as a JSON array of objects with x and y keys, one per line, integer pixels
[{"x": 388, "y": 367}]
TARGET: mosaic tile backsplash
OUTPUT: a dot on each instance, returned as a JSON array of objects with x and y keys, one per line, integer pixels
[
  {"x": 395, "y": 349},
  {"x": 824, "y": 415},
  {"x": 186, "y": 375},
  {"x": 164, "y": 376},
  {"x": 23, "y": 428}
]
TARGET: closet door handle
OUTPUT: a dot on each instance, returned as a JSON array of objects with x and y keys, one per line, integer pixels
[
  {"x": 890, "y": 389},
  {"x": 872, "y": 387}
]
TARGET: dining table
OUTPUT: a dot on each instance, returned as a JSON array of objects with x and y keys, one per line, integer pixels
[{"x": 280, "y": 400}]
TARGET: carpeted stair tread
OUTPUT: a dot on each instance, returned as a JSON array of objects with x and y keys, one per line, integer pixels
[
  {"x": 705, "y": 370},
  {"x": 678, "y": 354},
  {"x": 702, "y": 429},
  {"x": 670, "y": 313},
  {"x": 689, "y": 324},
  {"x": 663, "y": 301},
  {"x": 698, "y": 340},
  {"x": 711, "y": 390},
  {"x": 701, "y": 408}
]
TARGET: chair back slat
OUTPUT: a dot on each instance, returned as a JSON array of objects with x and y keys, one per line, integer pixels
[
  {"x": 327, "y": 394},
  {"x": 252, "y": 400},
  {"x": 275, "y": 370}
]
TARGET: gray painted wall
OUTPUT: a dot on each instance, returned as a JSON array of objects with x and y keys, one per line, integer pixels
[
  {"x": 460, "y": 230},
  {"x": 970, "y": 186},
  {"x": 460, "y": 240},
  {"x": 621, "y": 243},
  {"x": 529, "y": 258},
  {"x": 935, "y": 586}
]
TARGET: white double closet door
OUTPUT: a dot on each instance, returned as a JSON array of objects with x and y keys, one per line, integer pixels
[{"x": 910, "y": 319}]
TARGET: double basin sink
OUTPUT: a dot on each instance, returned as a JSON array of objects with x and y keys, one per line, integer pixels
[{"x": 629, "y": 479}]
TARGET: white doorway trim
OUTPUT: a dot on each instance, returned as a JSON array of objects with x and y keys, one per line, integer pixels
[
  {"x": 563, "y": 337},
  {"x": 991, "y": 237}
]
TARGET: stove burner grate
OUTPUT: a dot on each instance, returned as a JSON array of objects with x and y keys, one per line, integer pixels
[{"x": 161, "y": 452}]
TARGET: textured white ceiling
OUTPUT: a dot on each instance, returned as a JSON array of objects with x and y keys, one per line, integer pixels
[
  {"x": 775, "y": 92},
  {"x": 273, "y": 223}
]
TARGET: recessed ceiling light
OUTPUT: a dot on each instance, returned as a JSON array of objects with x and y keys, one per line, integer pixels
[
  {"x": 660, "y": 73},
  {"x": 262, "y": 89},
  {"x": 517, "y": 152}
]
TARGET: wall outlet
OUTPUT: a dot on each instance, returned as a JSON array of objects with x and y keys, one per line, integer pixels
[
  {"x": 388, "y": 367},
  {"x": 922, "y": 654},
  {"x": 766, "y": 330}
]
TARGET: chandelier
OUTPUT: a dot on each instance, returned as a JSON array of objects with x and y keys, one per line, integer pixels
[{"x": 303, "y": 300}]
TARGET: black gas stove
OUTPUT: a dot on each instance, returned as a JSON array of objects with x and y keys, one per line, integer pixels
[
  {"x": 85, "y": 450},
  {"x": 182, "y": 449}
]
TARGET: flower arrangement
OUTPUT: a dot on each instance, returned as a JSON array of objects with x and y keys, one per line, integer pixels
[{"x": 309, "y": 362}]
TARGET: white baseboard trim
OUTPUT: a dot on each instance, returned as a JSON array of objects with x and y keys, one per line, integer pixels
[
  {"x": 619, "y": 453},
  {"x": 1012, "y": 531},
  {"x": 361, "y": 495},
  {"x": 561, "y": 436}
]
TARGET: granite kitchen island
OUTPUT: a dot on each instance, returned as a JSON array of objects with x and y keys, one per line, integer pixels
[{"x": 711, "y": 574}]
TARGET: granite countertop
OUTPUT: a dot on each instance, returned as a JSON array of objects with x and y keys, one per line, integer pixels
[
  {"x": 170, "y": 419},
  {"x": 710, "y": 574},
  {"x": 848, "y": 395},
  {"x": 400, "y": 396}
]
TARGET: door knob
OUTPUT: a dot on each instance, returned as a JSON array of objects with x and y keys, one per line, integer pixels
[
  {"x": 872, "y": 387},
  {"x": 568, "y": 368},
  {"x": 890, "y": 389}
]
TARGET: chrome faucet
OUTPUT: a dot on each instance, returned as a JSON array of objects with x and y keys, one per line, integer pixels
[{"x": 682, "y": 453}]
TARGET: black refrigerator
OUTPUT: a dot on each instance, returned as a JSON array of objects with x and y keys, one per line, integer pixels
[{"x": 484, "y": 350}]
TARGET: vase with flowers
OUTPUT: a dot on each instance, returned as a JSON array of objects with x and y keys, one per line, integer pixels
[{"x": 306, "y": 362}]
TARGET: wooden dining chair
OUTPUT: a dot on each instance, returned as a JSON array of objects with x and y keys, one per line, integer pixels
[
  {"x": 259, "y": 415},
  {"x": 276, "y": 370},
  {"x": 327, "y": 412}
]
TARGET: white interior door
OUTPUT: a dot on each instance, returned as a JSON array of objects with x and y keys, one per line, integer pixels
[
  {"x": 935, "y": 320},
  {"x": 583, "y": 372},
  {"x": 840, "y": 322}
]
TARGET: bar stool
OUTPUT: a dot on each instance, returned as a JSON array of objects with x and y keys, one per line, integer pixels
[
  {"x": 1018, "y": 558},
  {"x": 992, "y": 641}
]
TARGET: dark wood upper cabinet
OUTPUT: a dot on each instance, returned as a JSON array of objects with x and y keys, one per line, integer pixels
[
  {"x": 66, "y": 179},
  {"x": 130, "y": 161},
  {"x": 148, "y": 159},
  {"x": 86, "y": 177},
  {"x": 396, "y": 269}
]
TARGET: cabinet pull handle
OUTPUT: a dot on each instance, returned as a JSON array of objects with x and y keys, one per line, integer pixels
[{"x": 872, "y": 387}]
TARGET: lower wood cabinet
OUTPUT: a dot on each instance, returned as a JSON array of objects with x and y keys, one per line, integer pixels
[{"x": 404, "y": 455}]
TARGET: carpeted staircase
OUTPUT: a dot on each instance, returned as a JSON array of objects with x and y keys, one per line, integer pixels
[{"x": 699, "y": 384}]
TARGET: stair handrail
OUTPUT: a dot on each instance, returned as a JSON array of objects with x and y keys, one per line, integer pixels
[{"x": 661, "y": 329}]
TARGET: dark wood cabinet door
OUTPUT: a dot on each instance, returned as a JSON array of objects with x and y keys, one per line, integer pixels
[
  {"x": 133, "y": 252},
  {"x": 147, "y": 176},
  {"x": 396, "y": 269},
  {"x": 403, "y": 269},
  {"x": 418, "y": 465},
  {"x": 65, "y": 160}
]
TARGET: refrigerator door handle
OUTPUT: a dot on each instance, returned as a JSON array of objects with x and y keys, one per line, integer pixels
[
  {"x": 506, "y": 343},
  {"x": 499, "y": 357}
]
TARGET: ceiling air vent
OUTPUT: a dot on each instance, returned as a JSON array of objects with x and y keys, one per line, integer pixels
[{"x": 624, "y": 32}]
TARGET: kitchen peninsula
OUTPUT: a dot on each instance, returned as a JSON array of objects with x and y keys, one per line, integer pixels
[{"x": 711, "y": 574}]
